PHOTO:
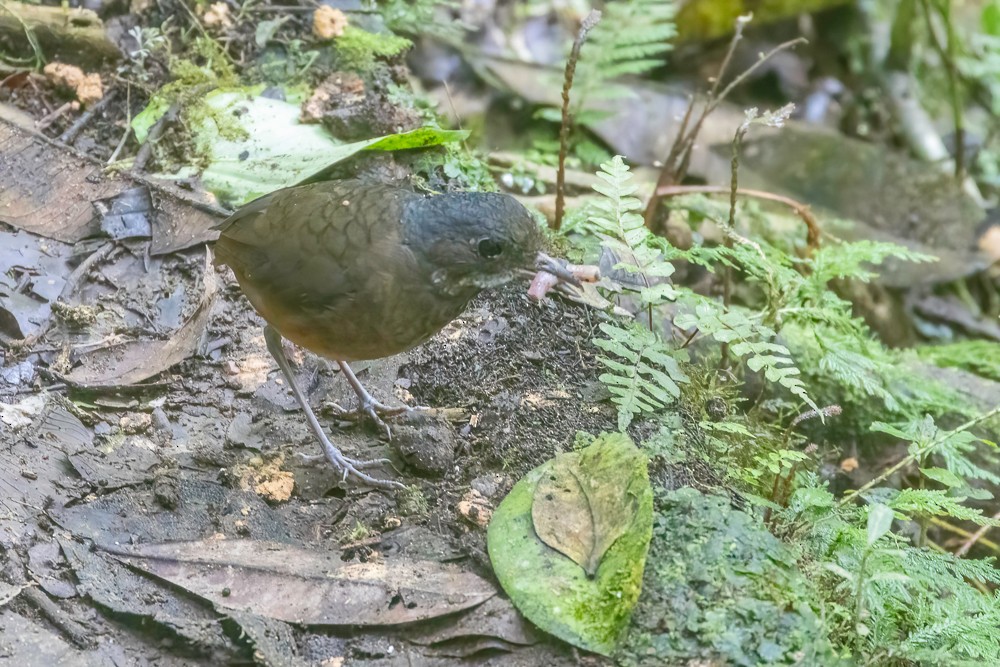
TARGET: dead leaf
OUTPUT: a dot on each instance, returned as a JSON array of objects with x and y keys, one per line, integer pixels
[
  {"x": 494, "y": 619},
  {"x": 135, "y": 361},
  {"x": 48, "y": 189},
  {"x": 583, "y": 504},
  {"x": 312, "y": 587}
]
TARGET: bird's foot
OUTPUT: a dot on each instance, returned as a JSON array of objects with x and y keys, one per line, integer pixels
[
  {"x": 376, "y": 410},
  {"x": 351, "y": 468}
]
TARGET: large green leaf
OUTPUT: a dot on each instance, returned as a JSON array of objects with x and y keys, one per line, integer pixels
[
  {"x": 597, "y": 506},
  {"x": 246, "y": 145}
]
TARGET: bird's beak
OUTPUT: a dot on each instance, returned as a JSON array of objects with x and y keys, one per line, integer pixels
[{"x": 557, "y": 267}]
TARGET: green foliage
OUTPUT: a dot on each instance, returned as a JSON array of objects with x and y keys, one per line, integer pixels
[
  {"x": 750, "y": 340},
  {"x": 421, "y": 17},
  {"x": 891, "y": 598},
  {"x": 878, "y": 597},
  {"x": 616, "y": 222},
  {"x": 642, "y": 375},
  {"x": 358, "y": 49},
  {"x": 981, "y": 357},
  {"x": 632, "y": 38},
  {"x": 720, "y": 589}
]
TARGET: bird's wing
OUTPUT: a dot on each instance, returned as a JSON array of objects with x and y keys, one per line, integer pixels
[{"x": 314, "y": 246}]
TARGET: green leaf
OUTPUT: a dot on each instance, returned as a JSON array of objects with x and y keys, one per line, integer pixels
[
  {"x": 946, "y": 477},
  {"x": 582, "y": 506},
  {"x": 879, "y": 522},
  {"x": 252, "y": 145},
  {"x": 553, "y": 591},
  {"x": 146, "y": 119}
]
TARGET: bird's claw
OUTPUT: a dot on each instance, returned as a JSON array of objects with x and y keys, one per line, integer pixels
[
  {"x": 348, "y": 467},
  {"x": 310, "y": 459},
  {"x": 375, "y": 410}
]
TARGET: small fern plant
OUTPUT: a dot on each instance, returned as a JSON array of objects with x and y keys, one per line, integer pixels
[
  {"x": 642, "y": 373},
  {"x": 749, "y": 340},
  {"x": 633, "y": 38}
]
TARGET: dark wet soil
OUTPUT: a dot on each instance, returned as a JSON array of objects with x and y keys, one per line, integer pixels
[{"x": 209, "y": 449}]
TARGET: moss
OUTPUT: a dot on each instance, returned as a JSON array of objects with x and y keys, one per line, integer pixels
[
  {"x": 720, "y": 587},
  {"x": 411, "y": 501},
  {"x": 358, "y": 49}
]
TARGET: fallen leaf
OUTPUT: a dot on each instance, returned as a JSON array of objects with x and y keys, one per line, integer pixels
[
  {"x": 310, "y": 586},
  {"x": 135, "y": 361},
  {"x": 554, "y": 592},
  {"x": 586, "y": 501}
]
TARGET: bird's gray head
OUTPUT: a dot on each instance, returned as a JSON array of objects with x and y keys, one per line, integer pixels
[{"x": 472, "y": 239}]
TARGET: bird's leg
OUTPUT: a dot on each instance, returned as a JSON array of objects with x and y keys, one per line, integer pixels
[
  {"x": 369, "y": 405},
  {"x": 347, "y": 467}
]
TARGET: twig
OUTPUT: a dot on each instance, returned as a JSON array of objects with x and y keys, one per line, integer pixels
[
  {"x": 574, "y": 55},
  {"x": 50, "y": 118},
  {"x": 978, "y": 535},
  {"x": 923, "y": 451},
  {"x": 676, "y": 164},
  {"x": 69, "y": 135},
  {"x": 947, "y": 55},
  {"x": 146, "y": 152},
  {"x": 673, "y": 168},
  {"x": 81, "y": 636},
  {"x": 128, "y": 124},
  {"x": 961, "y": 532},
  {"x": 813, "y": 232}
]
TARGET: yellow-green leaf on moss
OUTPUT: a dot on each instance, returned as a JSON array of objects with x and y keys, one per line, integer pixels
[
  {"x": 586, "y": 501},
  {"x": 248, "y": 145},
  {"x": 553, "y": 591}
]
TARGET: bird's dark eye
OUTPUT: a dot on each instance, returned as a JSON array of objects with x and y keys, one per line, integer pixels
[{"x": 489, "y": 248}]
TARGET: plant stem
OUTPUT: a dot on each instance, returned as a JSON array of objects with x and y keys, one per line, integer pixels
[
  {"x": 919, "y": 454},
  {"x": 567, "y": 118}
]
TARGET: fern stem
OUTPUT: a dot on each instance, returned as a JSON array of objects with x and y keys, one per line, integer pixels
[
  {"x": 574, "y": 55},
  {"x": 813, "y": 233},
  {"x": 919, "y": 454},
  {"x": 947, "y": 54}
]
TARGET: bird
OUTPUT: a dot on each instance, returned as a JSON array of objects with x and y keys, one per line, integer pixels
[{"x": 354, "y": 270}]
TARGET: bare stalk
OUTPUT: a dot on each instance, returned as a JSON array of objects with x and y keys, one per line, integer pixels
[{"x": 567, "y": 118}]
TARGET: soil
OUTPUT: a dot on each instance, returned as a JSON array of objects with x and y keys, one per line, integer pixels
[{"x": 210, "y": 450}]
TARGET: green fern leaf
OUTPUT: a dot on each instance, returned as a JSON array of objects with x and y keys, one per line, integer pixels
[{"x": 643, "y": 376}]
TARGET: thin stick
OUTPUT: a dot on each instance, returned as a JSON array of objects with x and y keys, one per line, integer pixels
[
  {"x": 676, "y": 164},
  {"x": 813, "y": 234},
  {"x": 947, "y": 55},
  {"x": 69, "y": 135},
  {"x": 574, "y": 55},
  {"x": 128, "y": 124},
  {"x": 923, "y": 451},
  {"x": 978, "y": 535}
]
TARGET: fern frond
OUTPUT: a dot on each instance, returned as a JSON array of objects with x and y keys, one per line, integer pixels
[
  {"x": 643, "y": 376},
  {"x": 749, "y": 340},
  {"x": 933, "y": 502},
  {"x": 615, "y": 220},
  {"x": 632, "y": 39},
  {"x": 981, "y": 357}
]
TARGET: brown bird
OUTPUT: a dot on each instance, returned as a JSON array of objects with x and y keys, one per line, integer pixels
[{"x": 354, "y": 271}]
